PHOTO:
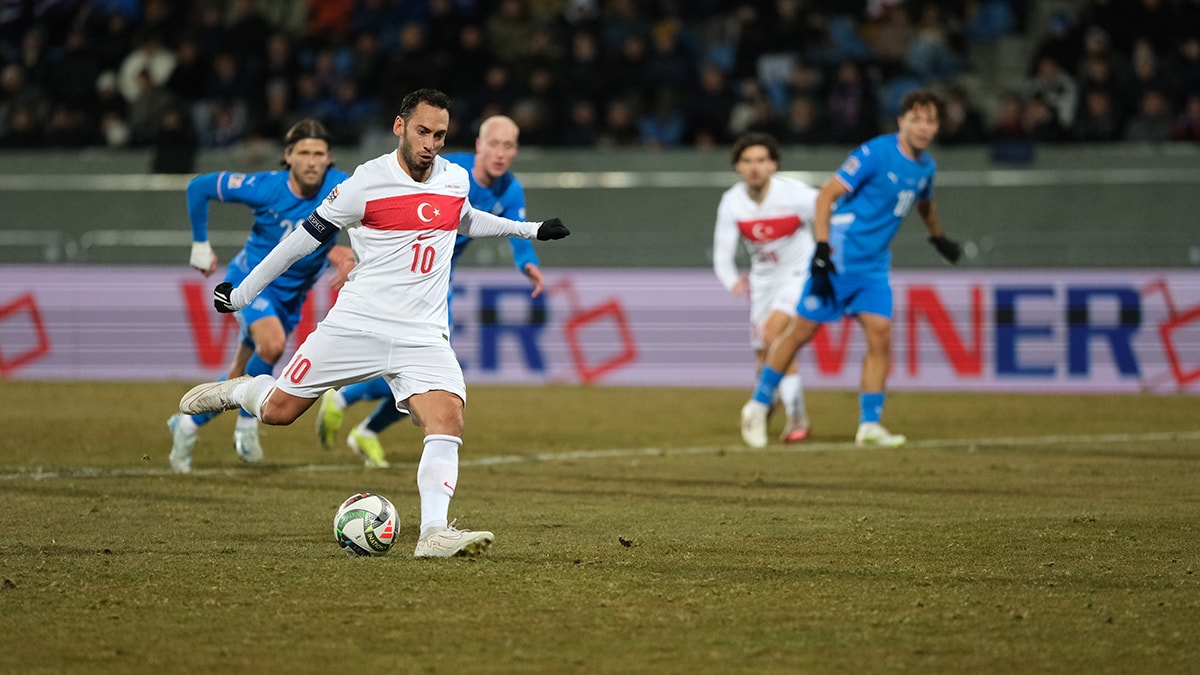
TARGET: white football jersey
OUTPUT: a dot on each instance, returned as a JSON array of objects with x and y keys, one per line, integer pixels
[
  {"x": 777, "y": 233},
  {"x": 403, "y": 233}
]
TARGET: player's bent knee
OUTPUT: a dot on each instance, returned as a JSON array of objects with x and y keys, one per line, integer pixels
[
  {"x": 281, "y": 409},
  {"x": 270, "y": 352}
]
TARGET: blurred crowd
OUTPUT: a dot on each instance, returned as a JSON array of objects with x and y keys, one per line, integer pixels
[{"x": 181, "y": 74}]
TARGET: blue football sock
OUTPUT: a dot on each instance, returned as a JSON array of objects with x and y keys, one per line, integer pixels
[
  {"x": 768, "y": 382},
  {"x": 870, "y": 406},
  {"x": 385, "y": 415},
  {"x": 204, "y": 418}
]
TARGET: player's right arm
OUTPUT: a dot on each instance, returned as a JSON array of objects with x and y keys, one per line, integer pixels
[
  {"x": 725, "y": 239},
  {"x": 199, "y": 190},
  {"x": 303, "y": 241},
  {"x": 830, "y": 192},
  {"x": 222, "y": 186},
  {"x": 343, "y": 207}
]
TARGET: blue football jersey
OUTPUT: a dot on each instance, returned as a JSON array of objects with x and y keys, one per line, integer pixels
[
  {"x": 884, "y": 183},
  {"x": 505, "y": 198},
  {"x": 277, "y": 212}
]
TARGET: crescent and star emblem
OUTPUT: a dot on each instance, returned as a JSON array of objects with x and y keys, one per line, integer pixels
[
  {"x": 760, "y": 231},
  {"x": 421, "y": 212}
]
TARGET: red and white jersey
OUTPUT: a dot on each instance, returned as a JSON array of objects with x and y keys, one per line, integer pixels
[
  {"x": 403, "y": 233},
  {"x": 777, "y": 233}
]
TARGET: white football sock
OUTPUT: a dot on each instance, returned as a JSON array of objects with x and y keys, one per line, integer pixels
[
  {"x": 252, "y": 394},
  {"x": 244, "y": 422},
  {"x": 188, "y": 425},
  {"x": 437, "y": 474},
  {"x": 788, "y": 386}
]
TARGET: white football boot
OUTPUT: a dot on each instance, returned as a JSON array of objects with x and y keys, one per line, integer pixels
[
  {"x": 211, "y": 396},
  {"x": 754, "y": 424},
  {"x": 449, "y": 542},
  {"x": 182, "y": 443},
  {"x": 872, "y": 434},
  {"x": 245, "y": 441}
]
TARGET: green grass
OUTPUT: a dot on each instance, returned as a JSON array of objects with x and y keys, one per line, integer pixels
[{"x": 634, "y": 534}]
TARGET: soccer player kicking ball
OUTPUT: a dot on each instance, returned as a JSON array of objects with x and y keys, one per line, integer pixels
[
  {"x": 493, "y": 189},
  {"x": 403, "y": 211},
  {"x": 874, "y": 189}
]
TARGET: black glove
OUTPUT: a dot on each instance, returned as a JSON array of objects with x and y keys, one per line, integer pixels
[
  {"x": 221, "y": 297},
  {"x": 552, "y": 229},
  {"x": 949, "y": 248},
  {"x": 819, "y": 272}
]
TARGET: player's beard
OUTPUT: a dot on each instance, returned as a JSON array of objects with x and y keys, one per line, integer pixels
[
  {"x": 309, "y": 181},
  {"x": 418, "y": 166}
]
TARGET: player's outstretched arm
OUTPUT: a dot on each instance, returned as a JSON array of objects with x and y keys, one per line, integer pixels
[
  {"x": 552, "y": 229},
  {"x": 295, "y": 246},
  {"x": 476, "y": 223}
]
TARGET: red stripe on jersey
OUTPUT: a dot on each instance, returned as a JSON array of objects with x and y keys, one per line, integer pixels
[
  {"x": 422, "y": 211},
  {"x": 769, "y": 229}
]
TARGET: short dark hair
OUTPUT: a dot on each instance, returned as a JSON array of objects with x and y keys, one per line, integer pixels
[
  {"x": 923, "y": 97},
  {"x": 306, "y": 128},
  {"x": 752, "y": 139},
  {"x": 431, "y": 97}
]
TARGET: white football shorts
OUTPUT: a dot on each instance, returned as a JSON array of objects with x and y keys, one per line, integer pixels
[
  {"x": 332, "y": 357},
  {"x": 780, "y": 295}
]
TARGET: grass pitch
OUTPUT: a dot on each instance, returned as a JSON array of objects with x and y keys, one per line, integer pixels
[{"x": 634, "y": 534}]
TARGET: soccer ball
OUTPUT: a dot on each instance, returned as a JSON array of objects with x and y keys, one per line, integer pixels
[{"x": 366, "y": 524}]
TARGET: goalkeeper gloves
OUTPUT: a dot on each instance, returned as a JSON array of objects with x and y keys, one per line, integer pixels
[
  {"x": 221, "y": 298},
  {"x": 552, "y": 229},
  {"x": 949, "y": 248},
  {"x": 819, "y": 271}
]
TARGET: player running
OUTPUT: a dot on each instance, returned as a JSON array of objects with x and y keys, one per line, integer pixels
[
  {"x": 859, "y": 211},
  {"x": 280, "y": 200},
  {"x": 773, "y": 216}
]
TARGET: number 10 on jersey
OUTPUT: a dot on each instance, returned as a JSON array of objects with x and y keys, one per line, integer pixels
[{"x": 422, "y": 258}]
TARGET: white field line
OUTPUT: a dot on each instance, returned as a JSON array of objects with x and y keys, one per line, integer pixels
[{"x": 969, "y": 444}]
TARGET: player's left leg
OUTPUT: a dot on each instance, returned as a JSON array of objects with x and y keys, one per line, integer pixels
[
  {"x": 437, "y": 476},
  {"x": 364, "y": 438},
  {"x": 430, "y": 384},
  {"x": 332, "y": 412},
  {"x": 790, "y": 391},
  {"x": 799, "y": 331},
  {"x": 185, "y": 429},
  {"x": 269, "y": 335},
  {"x": 878, "y": 330}
]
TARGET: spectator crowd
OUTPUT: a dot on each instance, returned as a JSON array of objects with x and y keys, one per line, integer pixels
[{"x": 189, "y": 74}]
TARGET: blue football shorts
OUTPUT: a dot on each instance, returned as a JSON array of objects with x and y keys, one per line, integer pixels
[
  {"x": 285, "y": 306},
  {"x": 855, "y": 293}
]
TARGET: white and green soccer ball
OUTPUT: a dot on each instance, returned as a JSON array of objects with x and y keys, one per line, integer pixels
[{"x": 366, "y": 524}]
